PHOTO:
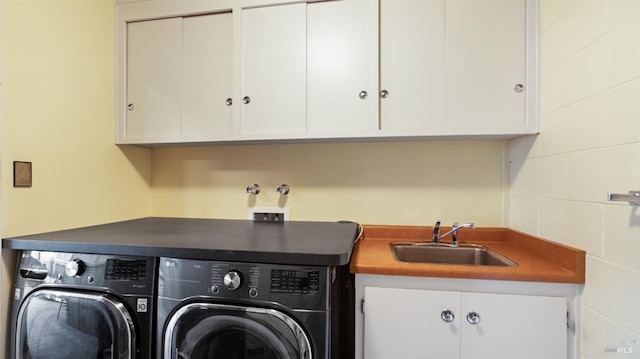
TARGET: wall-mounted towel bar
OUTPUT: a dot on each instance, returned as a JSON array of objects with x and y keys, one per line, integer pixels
[{"x": 633, "y": 197}]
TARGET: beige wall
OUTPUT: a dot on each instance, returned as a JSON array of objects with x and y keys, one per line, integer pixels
[
  {"x": 589, "y": 145},
  {"x": 413, "y": 183},
  {"x": 58, "y": 112}
]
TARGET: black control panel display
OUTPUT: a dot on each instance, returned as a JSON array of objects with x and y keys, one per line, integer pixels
[
  {"x": 126, "y": 269},
  {"x": 295, "y": 281}
]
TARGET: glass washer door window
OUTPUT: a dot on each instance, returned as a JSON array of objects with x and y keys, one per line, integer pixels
[
  {"x": 57, "y": 324},
  {"x": 208, "y": 330}
]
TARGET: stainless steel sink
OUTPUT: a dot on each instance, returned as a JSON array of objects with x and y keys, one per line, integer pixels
[{"x": 439, "y": 253}]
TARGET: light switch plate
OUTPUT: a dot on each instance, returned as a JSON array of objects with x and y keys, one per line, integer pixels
[{"x": 21, "y": 174}]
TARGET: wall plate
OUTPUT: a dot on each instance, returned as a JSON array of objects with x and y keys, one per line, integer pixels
[
  {"x": 21, "y": 174},
  {"x": 269, "y": 214}
]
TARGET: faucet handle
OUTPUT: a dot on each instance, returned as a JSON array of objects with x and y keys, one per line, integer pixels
[
  {"x": 436, "y": 232},
  {"x": 454, "y": 233}
]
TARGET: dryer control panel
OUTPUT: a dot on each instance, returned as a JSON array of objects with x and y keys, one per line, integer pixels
[{"x": 122, "y": 274}]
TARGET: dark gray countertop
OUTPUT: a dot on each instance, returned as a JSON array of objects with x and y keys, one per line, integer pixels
[{"x": 293, "y": 242}]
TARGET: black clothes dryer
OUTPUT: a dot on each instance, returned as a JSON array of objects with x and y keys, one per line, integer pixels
[{"x": 77, "y": 305}]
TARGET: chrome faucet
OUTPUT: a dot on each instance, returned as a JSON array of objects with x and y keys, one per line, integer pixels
[
  {"x": 453, "y": 232},
  {"x": 436, "y": 233}
]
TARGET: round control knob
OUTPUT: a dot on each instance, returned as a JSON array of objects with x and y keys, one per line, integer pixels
[
  {"x": 233, "y": 280},
  {"x": 74, "y": 268},
  {"x": 253, "y": 292}
]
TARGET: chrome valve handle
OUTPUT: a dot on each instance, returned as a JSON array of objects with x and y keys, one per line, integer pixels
[
  {"x": 283, "y": 189},
  {"x": 253, "y": 188}
]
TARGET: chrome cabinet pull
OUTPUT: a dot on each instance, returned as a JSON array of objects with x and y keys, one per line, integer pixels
[
  {"x": 363, "y": 95},
  {"x": 447, "y": 316},
  {"x": 518, "y": 88},
  {"x": 228, "y": 101},
  {"x": 130, "y": 107},
  {"x": 473, "y": 318},
  {"x": 246, "y": 100},
  {"x": 384, "y": 93}
]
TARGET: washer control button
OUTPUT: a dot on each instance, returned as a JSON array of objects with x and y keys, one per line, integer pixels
[
  {"x": 233, "y": 279},
  {"x": 215, "y": 289},
  {"x": 253, "y": 292}
]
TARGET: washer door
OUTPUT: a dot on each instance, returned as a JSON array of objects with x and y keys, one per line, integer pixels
[
  {"x": 57, "y": 324},
  {"x": 207, "y": 330}
]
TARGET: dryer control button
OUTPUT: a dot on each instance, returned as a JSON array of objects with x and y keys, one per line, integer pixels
[
  {"x": 215, "y": 289},
  {"x": 233, "y": 280},
  {"x": 74, "y": 268}
]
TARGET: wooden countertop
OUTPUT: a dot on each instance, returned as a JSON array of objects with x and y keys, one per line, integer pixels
[{"x": 538, "y": 260}]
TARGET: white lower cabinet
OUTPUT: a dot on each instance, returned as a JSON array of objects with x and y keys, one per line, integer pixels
[{"x": 421, "y": 323}]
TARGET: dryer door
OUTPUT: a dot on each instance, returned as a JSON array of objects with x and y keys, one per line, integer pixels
[
  {"x": 207, "y": 330},
  {"x": 62, "y": 324}
]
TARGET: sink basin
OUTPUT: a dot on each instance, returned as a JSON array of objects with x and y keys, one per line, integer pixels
[{"x": 439, "y": 253}]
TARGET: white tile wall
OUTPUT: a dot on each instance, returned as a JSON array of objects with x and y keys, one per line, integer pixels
[{"x": 589, "y": 145}]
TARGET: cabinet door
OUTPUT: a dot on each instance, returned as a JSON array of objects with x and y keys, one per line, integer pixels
[
  {"x": 514, "y": 326},
  {"x": 412, "y": 63},
  {"x": 407, "y": 323},
  {"x": 154, "y": 65},
  {"x": 486, "y": 48},
  {"x": 274, "y": 69},
  {"x": 338, "y": 66},
  {"x": 206, "y": 75}
]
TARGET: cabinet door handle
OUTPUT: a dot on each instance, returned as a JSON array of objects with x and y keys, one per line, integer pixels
[
  {"x": 518, "y": 88},
  {"x": 384, "y": 93},
  {"x": 363, "y": 95},
  {"x": 246, "y": 100},
  {"x": 228, "y": 101},
  {"x": 447, "y": 316},
  {"x": 130, "y": 107},
  {"x": 473, "y": 318}
]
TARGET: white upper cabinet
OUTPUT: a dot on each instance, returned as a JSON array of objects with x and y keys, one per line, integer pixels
[
  {"x": 486, "y": 65},
  {"x": 306, "y": 69},
  {"x": 341, "y": 93},
  {"x": 178, "y": 80},
  {"x": 245, "y": 70},
  {"x": 412, "y": 63},
  {"x": 274, "y": 69},
  {"x": 207, "y": 76},
  {"x": 458, "y": 67},
  {"x": 153, "y": 79}
]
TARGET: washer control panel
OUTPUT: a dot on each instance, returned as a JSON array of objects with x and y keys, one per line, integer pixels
[
  {"x": 304, "y": 287},
  {"x": 295, "y": 281}
]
